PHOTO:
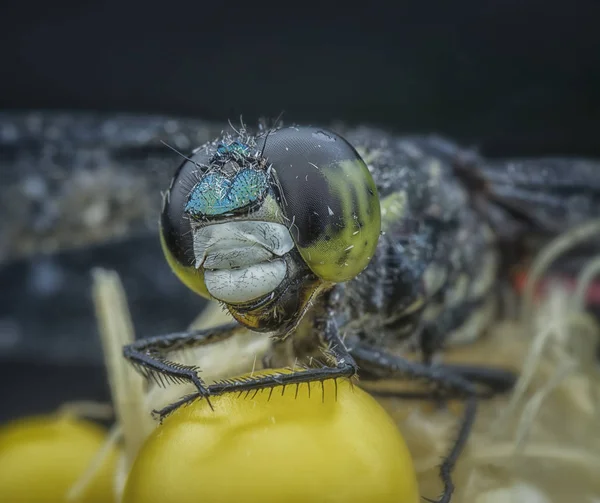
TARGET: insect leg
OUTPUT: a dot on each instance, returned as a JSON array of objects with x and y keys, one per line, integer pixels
[
  {"x": 343, "y": 365},
  {"x": 149, "y": 356},
  {"x": 494, "y": 380},
  {"x": 454, "y": 379}
]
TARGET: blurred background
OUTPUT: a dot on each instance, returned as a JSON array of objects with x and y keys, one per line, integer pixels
[{"x": 511, "y": 78}]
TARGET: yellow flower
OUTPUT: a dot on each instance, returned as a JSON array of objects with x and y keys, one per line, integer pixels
[
  {"x": 42, "y": 457},
  {"x": 336, "y": 445}
]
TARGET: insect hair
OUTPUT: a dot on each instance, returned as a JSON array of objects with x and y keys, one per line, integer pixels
[{"x": 181, "y": 154}]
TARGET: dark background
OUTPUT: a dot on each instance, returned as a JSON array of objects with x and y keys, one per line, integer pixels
[
  {"x": 516, "y": 75},
  {"x": 510, "y": 77}
]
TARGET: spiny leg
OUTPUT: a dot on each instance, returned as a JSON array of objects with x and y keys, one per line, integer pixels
[
  {"x": 326, "y": 327},
  {"x": 455, "y": 380},
  {"x": 390, "y": 365},
  {"x": 494, "y": 380},
  {"x": 149, "y": 355}
]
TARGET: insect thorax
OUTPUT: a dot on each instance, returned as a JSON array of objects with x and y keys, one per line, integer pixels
[{"x": 434, "y": 269}]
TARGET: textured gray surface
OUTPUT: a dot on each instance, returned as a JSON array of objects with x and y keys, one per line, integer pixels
[
  {"x": 46, "y": 309},
  {"x": 70, "y": 180},
  {"x": 79, "y": 191}
]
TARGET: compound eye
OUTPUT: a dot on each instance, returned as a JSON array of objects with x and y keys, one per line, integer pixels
[
  {"x": 328, "y": 197},
  {"x": 175, "y": 230}
]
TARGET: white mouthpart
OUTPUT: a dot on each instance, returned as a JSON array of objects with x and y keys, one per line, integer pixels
[
  {"x": 237, "y": 257},
  {"x": 242, "y": 285},
  {"x": 238, "y": 244},
  {"x": 241, "y": 259}
]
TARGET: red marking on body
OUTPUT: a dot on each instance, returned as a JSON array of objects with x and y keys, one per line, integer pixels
[{"x": 568, "y": 282}]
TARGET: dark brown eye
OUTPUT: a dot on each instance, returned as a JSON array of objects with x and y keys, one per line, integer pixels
[
  {"x": 328, "y": 197},
  {"x": 175, "y": 224},
  {"x": 175, "y": 229}
]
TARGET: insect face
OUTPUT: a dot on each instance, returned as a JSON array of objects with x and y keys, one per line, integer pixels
[{"x": 263, "y": 224}]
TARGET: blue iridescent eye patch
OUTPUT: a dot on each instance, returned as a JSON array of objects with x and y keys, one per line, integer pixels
[
  {"x": 234, "y": 148},
  {"x": 216, "y": 194}
]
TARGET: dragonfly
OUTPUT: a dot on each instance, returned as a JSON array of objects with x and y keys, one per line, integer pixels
[
  {"x": 351, "y": 249},
  {"x": 354, "y": 250}
]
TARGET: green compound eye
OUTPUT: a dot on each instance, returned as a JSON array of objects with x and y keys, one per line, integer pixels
[{"x": 328, "y": 197}]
